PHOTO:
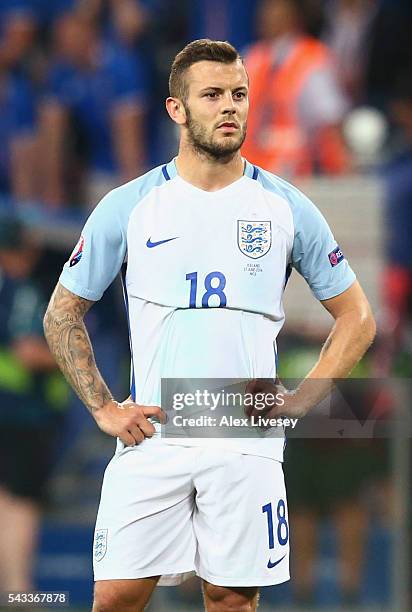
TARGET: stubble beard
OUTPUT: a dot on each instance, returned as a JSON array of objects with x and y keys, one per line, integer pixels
[{"x": 204, "y": 144}]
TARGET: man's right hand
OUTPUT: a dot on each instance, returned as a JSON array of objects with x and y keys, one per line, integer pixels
[{"x": 128, "y": 421}]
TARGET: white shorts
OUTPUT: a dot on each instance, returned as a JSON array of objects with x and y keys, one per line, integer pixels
[{"x": 176, "y": 511}]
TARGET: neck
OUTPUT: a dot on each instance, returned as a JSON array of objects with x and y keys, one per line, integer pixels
[{"x": 207, "y": 173}]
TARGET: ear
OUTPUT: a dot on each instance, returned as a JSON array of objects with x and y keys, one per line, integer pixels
[{"x": 176, "y": 110}]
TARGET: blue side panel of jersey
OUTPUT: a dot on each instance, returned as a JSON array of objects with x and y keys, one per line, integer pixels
[
  {"x": 313, "y": 243},
  {"x": 126, "y": 303},
  {"x": 99, "y": 255}
]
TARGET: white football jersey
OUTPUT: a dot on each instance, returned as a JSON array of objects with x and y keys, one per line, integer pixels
[{"x": 204, "y": 277}]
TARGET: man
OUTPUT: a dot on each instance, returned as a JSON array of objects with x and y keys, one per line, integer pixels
[
  {"x": 397, "y": 276},
  {"x": 297, "y": 105},
  {"x": 223, "y": 19},
  {"x": 203, "y": 302},
  {"x": 97, "y": 87},
  {"x": 33, "y": 398},
  {"x": 18, "y": 129}
]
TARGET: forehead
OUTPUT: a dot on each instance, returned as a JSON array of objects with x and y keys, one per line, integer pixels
[{"x": 216, "y": 74}]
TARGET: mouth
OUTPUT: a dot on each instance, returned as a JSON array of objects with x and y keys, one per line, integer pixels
[{"x": 228, "y": 126}]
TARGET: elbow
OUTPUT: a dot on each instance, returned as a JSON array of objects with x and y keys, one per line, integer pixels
[{"x": 368, "y": 328}]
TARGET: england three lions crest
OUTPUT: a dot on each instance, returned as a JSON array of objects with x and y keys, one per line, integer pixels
[{"x": 254, "y": 238}]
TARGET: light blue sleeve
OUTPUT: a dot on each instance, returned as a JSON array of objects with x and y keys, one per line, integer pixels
[
  {"x": 316, "y": 254},
  {"x": 100, "y": 252},
  {"x": 102, "y": 248}
]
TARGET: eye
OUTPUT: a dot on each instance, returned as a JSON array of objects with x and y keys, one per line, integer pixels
[
  {"x": 211, "y": 94},
  {"x": 240, "y": 95}
]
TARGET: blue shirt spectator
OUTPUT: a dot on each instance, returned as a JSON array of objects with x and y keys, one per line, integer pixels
[
  {"x": 17, "y": 6},
  {"x": 101, "y": 88},
  {"x": 127, "y": 21},
  {"x": 42, "y": 12},
  {"x": 231, "y": 20},
  {"x": 398, "y": 177},
  {"x": 92, "y": 95},
  {"x": 17, "y": 133},
  {"x": 396, "y": 276},
  {"x": 398, "y": 188}
]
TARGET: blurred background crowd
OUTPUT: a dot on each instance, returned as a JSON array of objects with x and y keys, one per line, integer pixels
[
  {"x": 83, "y": 84},
  {"x": 82, "y": 89}
]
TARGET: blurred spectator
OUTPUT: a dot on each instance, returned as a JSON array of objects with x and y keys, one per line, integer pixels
[
  {"x": 231, "y": 20},
  {"x": 397, "y": 277},
  {"x": 18, "y": 176},
  {"x": 389, "y": 50},
  {"x": 18, "y": 28},
  {"x": 126, "y": 20},
  {"x": 347, "y": 28},
  {"x": 97, "y": 91},
  {"x": 18, "y": 120},
  {"x": 327, "y": 480},
  {"x": 393, "y": 346},
  {"x": 296, "y": 104},
  {"x": 47, "y": 12},
  {"x": 32, "y": 396}
]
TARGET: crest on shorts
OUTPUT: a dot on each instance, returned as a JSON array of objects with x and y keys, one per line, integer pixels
[
  {"x": 254, "y": 238},
  {"x": 100, "y": 544}
]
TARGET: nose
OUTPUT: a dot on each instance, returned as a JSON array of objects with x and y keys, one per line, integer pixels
[{"x": 228, "y": 104}]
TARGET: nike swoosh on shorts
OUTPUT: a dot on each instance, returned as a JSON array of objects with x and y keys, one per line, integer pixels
[{"x": 270, "y": 564}]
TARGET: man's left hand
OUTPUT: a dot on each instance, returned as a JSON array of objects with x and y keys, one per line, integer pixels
[{"x": 273, "y": 400}]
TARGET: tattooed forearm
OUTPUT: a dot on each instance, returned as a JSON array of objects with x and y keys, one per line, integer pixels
[{"x": 70, "y": 344}]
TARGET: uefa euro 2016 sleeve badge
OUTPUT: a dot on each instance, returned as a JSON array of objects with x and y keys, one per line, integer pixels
[
  {"x": 76, "y": 256},
  {"x": 100, "y": 544},
  {"x": 254, "y": 238}
]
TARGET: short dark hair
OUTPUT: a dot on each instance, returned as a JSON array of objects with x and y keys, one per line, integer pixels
[{"x": 198, "y": 51}]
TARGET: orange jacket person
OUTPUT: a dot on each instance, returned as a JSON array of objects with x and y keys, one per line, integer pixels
[{"x": 296, "y": 104}]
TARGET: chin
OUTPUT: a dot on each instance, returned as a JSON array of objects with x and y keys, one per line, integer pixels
[{"x": 228, "y": 143}]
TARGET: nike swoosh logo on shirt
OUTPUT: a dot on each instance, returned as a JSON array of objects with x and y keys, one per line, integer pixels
[
  {"x": 151, "y": 244},
  {"x": 270, "y": 564}
]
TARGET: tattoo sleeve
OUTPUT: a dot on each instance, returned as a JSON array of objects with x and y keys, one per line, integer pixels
[{"x": 70, "y": 345}]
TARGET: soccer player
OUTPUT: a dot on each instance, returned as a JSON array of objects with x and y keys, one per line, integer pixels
[{"x": 205, "y": 243}]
